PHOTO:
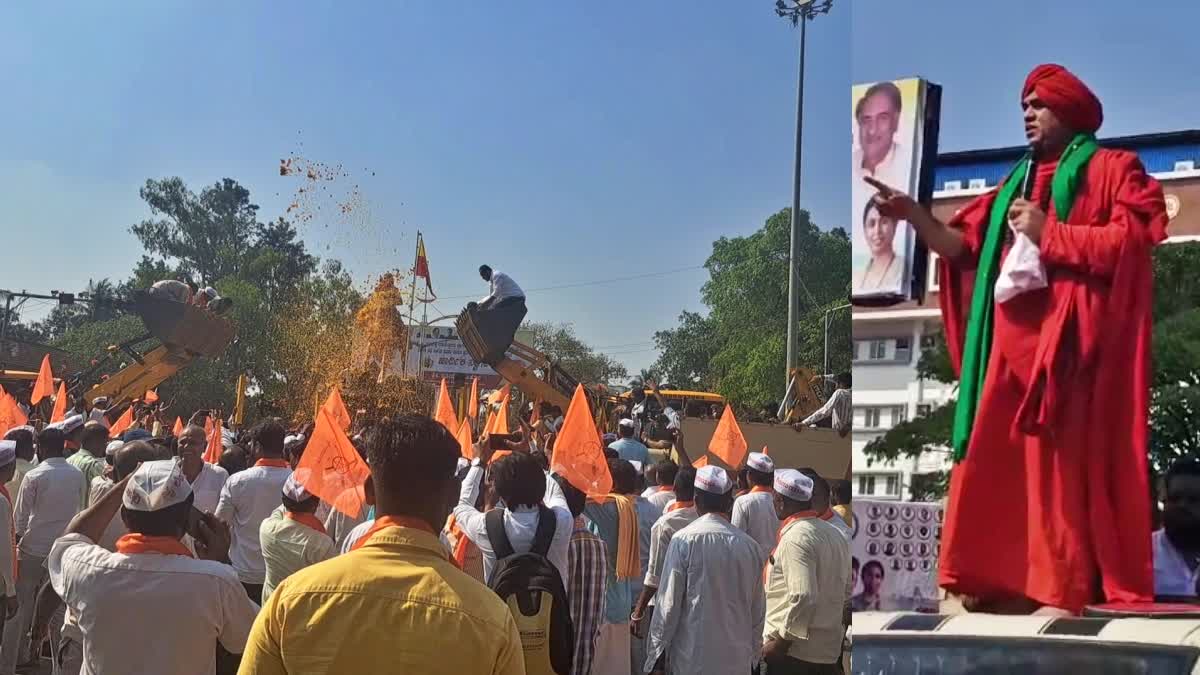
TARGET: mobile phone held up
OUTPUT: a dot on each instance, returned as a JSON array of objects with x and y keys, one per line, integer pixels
[{"x": 499, "y": 441}]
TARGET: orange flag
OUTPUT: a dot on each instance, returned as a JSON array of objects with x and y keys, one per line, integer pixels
[
  {"x": 212, "y": 453},
  {"x": 337, "y": 410},
  {"x": 151, "y": 396},
  {"x": 578, "y": 454},
  {"x": 44, "y": 386},
  {"x": 208, "y": 426},
  {"x": 537, "y": 412},
  {"x": 178, "y": 428},
  {"x": 334, "y": 468},
  {"x": 727, "y": 442},
  {"x": 473, "y": 403},
  {"x": 498, "y": 455},
  {"x": 498, "y": 424},
  {"x": 500, "y": 394},
  {"x": 465, "y": 442},
  {"x": 766, "y": 451},
  {"x": 703, "y": 461},
  {"x": 11, "y": 414},
  {"x": 60, "y": 404},
  {"x": 444, "y": 410},
  {"x": 122, "y": 424}
]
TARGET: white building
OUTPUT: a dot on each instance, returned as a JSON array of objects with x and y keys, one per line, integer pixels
[{"x": 888, "y": 341}]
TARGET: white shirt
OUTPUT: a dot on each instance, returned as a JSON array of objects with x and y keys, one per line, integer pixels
[
  {"x": 1172, "y": 576},
  {"x": 247, "y": 499},
  {"x": 50, "y": 496},
  {"x": 807, "y": 585},
  {"x": 116, "y": 527},
  {"x": 520, "y": 524},
  {"x": 173, "y": 607},
  {"x": 754, "y": 514},
  {"x": 841, "y": 526},
  {"x": 660, "y": 499},
  {"x": 288, "y": 547},
  {"x": 838, "y": 406},
  {"x": 355, "y": 534},
  {"x": 502, "y": 287},
  {"x": 660, "y": 539},
  {"x": 710, "y": 605},
  {"x": 14, "y": 485},
  {"x": 207, "y": 488}
]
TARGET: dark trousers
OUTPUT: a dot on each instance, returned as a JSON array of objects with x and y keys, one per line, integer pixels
[
  {"x": 500, "y": 326},
  {"x": 790, "y": 666},
  {"x": 254, "y": 591}
]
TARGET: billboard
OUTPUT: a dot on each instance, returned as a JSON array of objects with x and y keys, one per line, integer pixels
[
  {"x": 436, "y": 352},
  {"x": 894, "y": 140},
  {"x": 895, "y": 553}
]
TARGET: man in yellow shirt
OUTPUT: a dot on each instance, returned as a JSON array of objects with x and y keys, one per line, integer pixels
[{"x": 395, "y": 602}]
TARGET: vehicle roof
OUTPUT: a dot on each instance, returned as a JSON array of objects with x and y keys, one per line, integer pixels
[{"x": 1176, "y": 632}]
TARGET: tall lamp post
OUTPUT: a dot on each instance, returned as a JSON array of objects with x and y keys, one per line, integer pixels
[{"x": 798, "y": 12}]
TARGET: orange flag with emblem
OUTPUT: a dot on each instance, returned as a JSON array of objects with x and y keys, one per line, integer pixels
[
  {"x": 578, "y": 453},
  {"x": 727, "y": 442},
  {"x": 498, "y": 423},
  {"x": 178, "y": 428},
  {"x": 11, "y": 415},
  {"x": 335, "y": 471},
  {"x": 122, "y": 424},
  {"x": 337, "y": 409},
  {"x": 44, "y": 386},
  {"x": 212, "y": 453},
  {"x": 703, "y": 461},
  {"x": 60, "y": 404},
  {"x": 465, "y": 442},
  {"x": 444, "y": 410},
  {"x": 500, "y": 394},
  {"x": 473, "y": 403}
]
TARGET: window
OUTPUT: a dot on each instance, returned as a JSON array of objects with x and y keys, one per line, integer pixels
[
  {"x": 928, "y": 340},
  {"x": 892, "y": 486},
  {"x": 923, "y": 409},
  {"x": 870, "y": 418},
  {"x": 855, "y": 351},
  {"x": 899, "y": 414},
  {"x": 903, "y": 350},
  {"x": 878, "y": 350},
  {"x": 866, "y": 485}
]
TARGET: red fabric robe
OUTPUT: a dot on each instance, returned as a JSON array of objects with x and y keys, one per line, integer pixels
[{"x": 1052, "y": 501}]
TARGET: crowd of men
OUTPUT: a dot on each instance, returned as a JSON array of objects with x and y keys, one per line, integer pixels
[{"x": 236, "y": 567}]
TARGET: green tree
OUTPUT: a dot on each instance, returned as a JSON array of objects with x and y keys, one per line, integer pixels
[
  {"x": 559, "y": 342},
  {"x": 99, "y": 306},
  {"x": 739, "y": 348}
]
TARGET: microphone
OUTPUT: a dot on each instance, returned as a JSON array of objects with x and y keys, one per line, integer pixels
[{"x": 1027, "y": 184}]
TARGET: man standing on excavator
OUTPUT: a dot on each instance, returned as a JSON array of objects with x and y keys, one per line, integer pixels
[{"x": 500, "y": 313}]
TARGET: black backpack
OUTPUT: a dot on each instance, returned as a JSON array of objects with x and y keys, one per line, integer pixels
[{"x": 534, "y": 592}]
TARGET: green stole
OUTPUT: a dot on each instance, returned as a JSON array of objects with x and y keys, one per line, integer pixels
[{"x": 977, "y": 346}]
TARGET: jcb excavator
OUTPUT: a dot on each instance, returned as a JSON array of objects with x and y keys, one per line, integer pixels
[{"x": 183, "y": 331}]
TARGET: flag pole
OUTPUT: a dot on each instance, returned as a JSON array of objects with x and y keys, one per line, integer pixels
[{"x": 412, "y": 300}]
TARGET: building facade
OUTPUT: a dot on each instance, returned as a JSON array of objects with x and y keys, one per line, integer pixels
[{"x": 888, "y": 341}]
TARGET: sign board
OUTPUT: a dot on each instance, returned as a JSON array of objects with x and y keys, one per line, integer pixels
[{"x": 895, "y": 549}]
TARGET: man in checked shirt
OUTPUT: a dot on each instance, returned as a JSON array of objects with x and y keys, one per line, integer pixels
[{"x": 588, "y": 568}]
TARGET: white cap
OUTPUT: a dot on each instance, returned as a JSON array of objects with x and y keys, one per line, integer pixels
[
  {"x": 713, "y": 480},
  {"x": 156, "y": 486},
  {"x": 293, "y": 487},
  {"x": 112, "y": 447},
  {"x": 67, "y": 425},
  {"x": 8, "y": 452},
  {"x": 210, "y": 292},
  {"x": 794, "y": 485},
  {"x": 627, "y": 423},
  {"x": 760, "y": 462},
  {"x": 292, "y": 438},
  {"x": 97, "y": 415},
  {"x": 636, "y": 465}
]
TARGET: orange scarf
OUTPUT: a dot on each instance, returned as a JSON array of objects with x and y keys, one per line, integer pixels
[
  {"x": 12, "y": 530},
  {"x": 664, "y": 488},
  {"x": 681, "y": 505},
  {"x": 139, "y": 543},
  {"x": 277, "y": 463},
  {"x": 384, "y": 522},
  {"x": 305, "y": 519},
  {"x": 826, "y": 516},
  {"x": 783, "y": 526},
  {"x": 461, "y": 541},
  {"x": 760, "y": 488}
]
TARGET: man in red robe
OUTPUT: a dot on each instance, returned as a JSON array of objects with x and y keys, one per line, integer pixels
[{"x": 1050, "y": 506}]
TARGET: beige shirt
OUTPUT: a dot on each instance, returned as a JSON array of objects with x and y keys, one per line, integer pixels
[
  {"x": 807, "y": 584},
  {"x": 288, "y": 547},
  {"x": 23, "y": 467}
]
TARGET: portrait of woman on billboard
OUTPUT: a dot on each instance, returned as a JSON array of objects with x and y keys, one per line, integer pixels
[{"x": 884, "y": 269}]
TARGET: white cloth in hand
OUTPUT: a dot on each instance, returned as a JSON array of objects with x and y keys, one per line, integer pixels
[{"x": 1021, "y": 271}]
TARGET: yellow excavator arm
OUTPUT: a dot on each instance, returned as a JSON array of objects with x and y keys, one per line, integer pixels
[{"x": 526, "y": 368}]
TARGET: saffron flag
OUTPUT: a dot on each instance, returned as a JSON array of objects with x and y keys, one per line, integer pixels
[
  {"x": 498, "y": 423},
  {"x": 703, "y": 461},
  {"x": 444, "y": 410},
  {"x": 728, "y": 443},
  {"x": 60, "y": 404},
  {"x": 473, "y": 404},
  {"x": 335, "y": 471},
  {"x": 11, "y": 414},
  {"x": 122, "y": 424},
  {"x": 421, "y": 268},
  {"x": 208, "y": 426},
  {"x": 465, "y": 442},
  {"x": 151, "y": 396},
  {"x": 578, "y": 453},
  {"x": 766, "y": 451},
  {"x": 500, "y": 394},
  {"x": 212, "y": 453},
  {"x": 337, "y": 409},
  {"x": 499, "y": 455},
  {"x": 178, "y": 428},
  {"x": 44, "y": 386}
]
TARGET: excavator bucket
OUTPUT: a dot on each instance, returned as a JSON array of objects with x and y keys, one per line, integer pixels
[
  {"x": 519, "y": 363},
  {"x": 183, "y": 327}
]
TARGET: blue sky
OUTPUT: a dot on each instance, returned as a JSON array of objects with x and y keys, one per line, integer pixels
[
  {"x": 560, "y": 143},
  {"x": 1139, "y": 59}
]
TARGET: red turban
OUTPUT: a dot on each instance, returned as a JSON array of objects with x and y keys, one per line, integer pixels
[{"x": 1067, "y": 96}]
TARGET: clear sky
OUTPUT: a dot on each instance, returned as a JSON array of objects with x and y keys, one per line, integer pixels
[
  {"x": 1139, "y": 58},
  {"x": 559, "y": 142}
]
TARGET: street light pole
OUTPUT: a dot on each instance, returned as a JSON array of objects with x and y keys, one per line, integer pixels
[{"x": 798, "y": 12}]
